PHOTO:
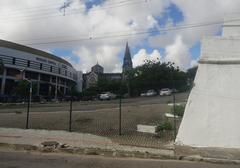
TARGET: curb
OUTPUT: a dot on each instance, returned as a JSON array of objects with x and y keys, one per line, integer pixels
[
  {"x": 209, "y": 160},
  {"x": 86, "y": 151},
  {"x": 114, "y": 153}
]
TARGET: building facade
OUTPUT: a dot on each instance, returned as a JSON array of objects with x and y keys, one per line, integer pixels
[
  {"x": 127, "y": 60},
  {"x": 90, "y": 79},
  {"x": 52, "y": 75}
]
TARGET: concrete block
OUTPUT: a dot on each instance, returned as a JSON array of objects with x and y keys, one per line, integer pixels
[{"x": 147, "y": 128}]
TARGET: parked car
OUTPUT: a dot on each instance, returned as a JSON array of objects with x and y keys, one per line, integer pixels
[
  {"x": 107, "y": 96},
  {"x": 143, "y": 94},
  {"x": 149, "y": 93},
  {"x": 165, "y": 92},
  {"x": 174, "y": 90}
]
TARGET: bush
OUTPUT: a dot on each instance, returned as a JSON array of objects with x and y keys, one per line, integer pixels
[
  {"x": 164, "y": 126},
  {"x": 179, "y": 110}
]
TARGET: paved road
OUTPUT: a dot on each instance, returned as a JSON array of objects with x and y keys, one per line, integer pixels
[
  {"x": 91, "y": 105},
  {"x": 38, "y": 160}
]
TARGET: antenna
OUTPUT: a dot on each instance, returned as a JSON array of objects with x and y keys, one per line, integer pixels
[{"x": 65, "y": 6}]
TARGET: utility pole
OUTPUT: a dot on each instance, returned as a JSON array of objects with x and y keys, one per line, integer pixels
[
  {"x": 174, "y": 103},
  {"x": 64, "y": 7},
  {"x": 120, "y": 109},
  {"x": 29, "y": 95},
  {"x": 70, "y": 112},
  {"x": 29, "y": 102}
]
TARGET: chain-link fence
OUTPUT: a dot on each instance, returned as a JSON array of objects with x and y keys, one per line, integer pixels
[{"x": 142, "y": 121}]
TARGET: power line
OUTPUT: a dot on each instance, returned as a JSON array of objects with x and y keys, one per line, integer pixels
[
  {"x": 183, "y": 27},
  {"x": 52, "y": 14},
  {"x": 37, "y": 7}
]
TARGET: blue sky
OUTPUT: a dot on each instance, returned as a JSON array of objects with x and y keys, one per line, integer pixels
[
  {"x": 171, "y": 12},
  {"x": 99, "y": 18}
]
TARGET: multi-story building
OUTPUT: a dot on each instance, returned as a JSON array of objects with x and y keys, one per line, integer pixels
[{"x": 52, "y": 75}]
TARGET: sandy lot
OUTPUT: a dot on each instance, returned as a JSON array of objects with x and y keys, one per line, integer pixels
[{"x": 97, "y": 117}]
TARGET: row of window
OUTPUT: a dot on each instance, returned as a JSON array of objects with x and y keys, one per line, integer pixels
[
  {"x": 36, "y": 65},
  {"x": 34, "y": 76}
]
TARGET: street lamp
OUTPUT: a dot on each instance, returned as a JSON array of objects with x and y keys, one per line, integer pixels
[{"x": 30, "y": 94}]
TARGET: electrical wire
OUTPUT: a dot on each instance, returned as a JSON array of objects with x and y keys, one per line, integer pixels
[
  {"x": 50, "y": 14},
  {"x": 132, "y": 34}
]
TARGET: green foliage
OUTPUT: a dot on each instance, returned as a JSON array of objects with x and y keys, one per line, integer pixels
[
  {"x": 164, "y": 126},
  {"x": 114, "y": 86},
  {"x": 151, "y": 75},
  {"x": 191, "y": 73},
  {"x": 179, "y": 110},
  {"x": 156, "y": 75},
  {"x": 22, "y": 88}
]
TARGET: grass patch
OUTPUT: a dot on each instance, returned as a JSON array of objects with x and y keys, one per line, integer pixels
[
  {"x": 164, "y": 126},
  {"x": 179, "y": 110}
]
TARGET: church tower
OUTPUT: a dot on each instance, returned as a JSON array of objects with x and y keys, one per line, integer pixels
[{"x": 127, "y": 61}]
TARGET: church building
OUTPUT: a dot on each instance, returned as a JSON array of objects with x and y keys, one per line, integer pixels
[{"x": 91, "y": 78}]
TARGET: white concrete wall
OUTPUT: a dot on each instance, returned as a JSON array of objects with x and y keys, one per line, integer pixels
[
  {"x": 212, "y": 114},
  {"x": 220, "y": 48},
  {"x": 231, "y": 26}
]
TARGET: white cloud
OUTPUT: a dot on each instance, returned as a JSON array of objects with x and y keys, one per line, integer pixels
[
  {"x": 105, "y": 20},
  {"x": 101, "y": 20},
  {"x": 142, "y": 55},
  {"x": 194, "y": 63},
  {"x": 178, "y": 53}
]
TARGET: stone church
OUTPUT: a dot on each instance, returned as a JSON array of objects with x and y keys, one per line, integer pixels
[{"x": 91, "y": 78}]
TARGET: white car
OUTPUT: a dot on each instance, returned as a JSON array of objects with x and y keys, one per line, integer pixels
[
  {"x": 107, "y": 96},
  {"x": 165, "y": 92},
  {"x": 151, "y": 93}
]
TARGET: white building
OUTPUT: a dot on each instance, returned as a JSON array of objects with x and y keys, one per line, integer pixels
[
  {"x": 212, "y": 116},
  {"x": 53, "y": 75}
]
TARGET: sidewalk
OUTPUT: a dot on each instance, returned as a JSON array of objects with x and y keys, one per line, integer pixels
[
  {"x": 62, "y": 141},
  {"x": 79, "y": 143}
]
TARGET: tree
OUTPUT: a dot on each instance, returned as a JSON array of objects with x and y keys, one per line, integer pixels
[
  {"x": 191, "y": 73},
  {"x": 22, "y": 88},
  {"x": 155, "y": 75},
  {"x": 114, "y": 86}
]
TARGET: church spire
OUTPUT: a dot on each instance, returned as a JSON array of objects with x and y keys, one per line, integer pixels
[{"x": 127, "y": 60}]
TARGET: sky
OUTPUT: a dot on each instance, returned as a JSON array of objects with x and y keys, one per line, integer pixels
[{"x": 85, "y": 32}]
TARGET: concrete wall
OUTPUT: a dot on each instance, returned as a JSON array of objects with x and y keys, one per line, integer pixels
[
  {"x": 212, "y": 114},
  {"x": 231, "y": 26}
]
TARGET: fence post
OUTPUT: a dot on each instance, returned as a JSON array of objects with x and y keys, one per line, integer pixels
[
  {"x": 120, "y": 115},
  {"x": 174, "y": 114},
  {"x": 70, "y": 112},
  {"x": 174, "y": 103},
  {"x": 29, "y": 102}
]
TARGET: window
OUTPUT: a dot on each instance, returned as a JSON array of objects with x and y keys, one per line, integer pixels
[
  {"x": 13, "y": 61},
  {"x": 51, "y": 69},
  {"x": 41, "y": 66},
  {"x": 28, "y": 63}
]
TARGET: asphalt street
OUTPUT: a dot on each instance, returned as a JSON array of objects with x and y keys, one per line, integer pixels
[{"x": 12, "y": 159}]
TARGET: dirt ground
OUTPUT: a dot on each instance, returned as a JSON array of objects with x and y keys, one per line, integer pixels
[{"x": 98, "y": 117}]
